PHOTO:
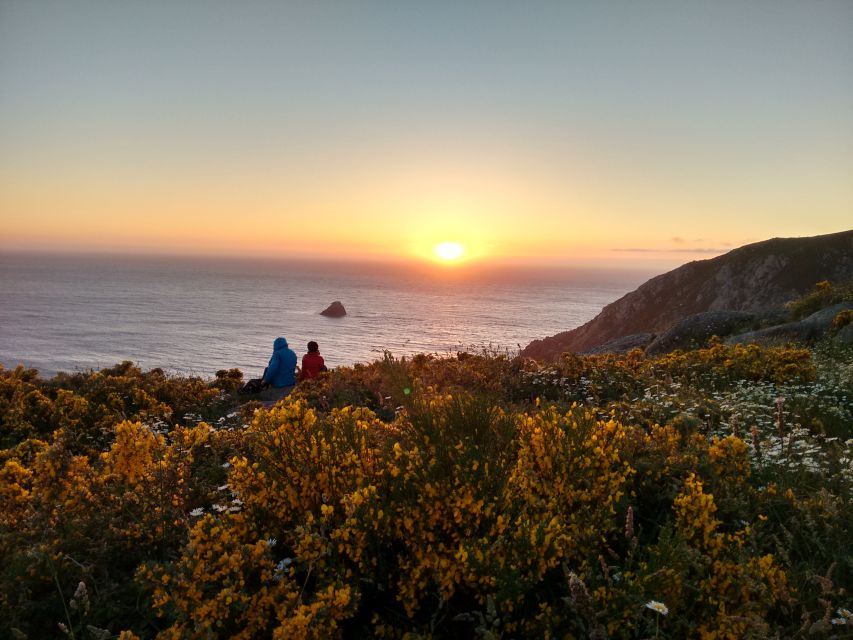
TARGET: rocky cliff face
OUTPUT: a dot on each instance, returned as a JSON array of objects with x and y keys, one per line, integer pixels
[{"x": 757, "y": 277}]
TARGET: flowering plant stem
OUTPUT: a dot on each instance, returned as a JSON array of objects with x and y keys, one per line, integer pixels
[{"x": 61, "y": 597}]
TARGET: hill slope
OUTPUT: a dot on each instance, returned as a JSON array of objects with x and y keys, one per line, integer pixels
[{"x": 756, "y": 277}]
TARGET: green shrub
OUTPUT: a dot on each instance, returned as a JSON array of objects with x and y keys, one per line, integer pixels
[{"x": 825, "y": 294}]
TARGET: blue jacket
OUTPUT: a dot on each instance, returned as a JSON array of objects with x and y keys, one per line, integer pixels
[{"x": 281, "y": 371}]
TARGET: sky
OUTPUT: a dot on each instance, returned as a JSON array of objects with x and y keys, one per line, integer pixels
[{"x": 594, "y": 133}]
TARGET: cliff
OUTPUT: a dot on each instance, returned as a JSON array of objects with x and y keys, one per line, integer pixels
[{"x": 758, "y": 278}]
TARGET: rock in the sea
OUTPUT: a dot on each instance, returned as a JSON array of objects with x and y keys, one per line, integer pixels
[{"x": 334, "y": 310}]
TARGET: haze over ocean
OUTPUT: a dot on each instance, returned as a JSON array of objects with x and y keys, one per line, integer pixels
[{"x": 67, "y": 313}]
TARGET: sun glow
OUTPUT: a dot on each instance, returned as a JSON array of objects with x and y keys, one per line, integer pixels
[{"x": 449, "y": 251}]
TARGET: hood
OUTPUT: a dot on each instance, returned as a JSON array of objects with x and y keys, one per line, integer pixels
[{"x": 279, "y": 344}]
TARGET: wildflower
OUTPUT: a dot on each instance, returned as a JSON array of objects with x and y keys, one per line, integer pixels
[
  {"x": 195, "y": 513},
  {"x": 605, "y": 570},
  {"x": 581, "y": 598},
  {"x": 271, "y": 542},
  {"x": 629, "y": 524},
  {"x": 780, "y": 416},
  {"x": 756, "y": 442},
  {"x": 657, "y": 607}
]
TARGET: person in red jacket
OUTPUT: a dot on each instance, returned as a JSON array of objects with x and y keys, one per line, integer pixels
[{"x": 312, "y": 362}]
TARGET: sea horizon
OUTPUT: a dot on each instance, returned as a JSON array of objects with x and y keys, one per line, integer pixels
[{"x": 198, "y": 314}]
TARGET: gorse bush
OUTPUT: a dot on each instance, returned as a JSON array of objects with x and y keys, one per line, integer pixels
[
  {"x": 701, "y": 494},
  {"x": 825, "y": 294}
]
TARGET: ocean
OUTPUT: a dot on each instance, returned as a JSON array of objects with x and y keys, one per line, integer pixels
[{"x": 196, "y": 316}]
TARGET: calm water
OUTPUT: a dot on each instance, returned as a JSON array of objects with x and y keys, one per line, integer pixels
[{"x": 198, "y": 316}]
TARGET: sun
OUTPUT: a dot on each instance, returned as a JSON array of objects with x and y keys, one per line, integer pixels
[{"x": 449, "y": 251}]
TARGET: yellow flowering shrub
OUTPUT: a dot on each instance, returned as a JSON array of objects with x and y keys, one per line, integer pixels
[
  {"x": 89, "y": 505},
  {"x": 133, "y": 451},
  {"x": 824, "y": 294},
  {"x": 326, "y": 498},
  {"x": 15, "y": 483},
  {"x": 222, "y": 587},
  {"x": 730, "y": 459},
  {"x": 720, "y": 363},
  {"x": 842, "y": 319},
  {"x": 736, "y": 590},
  {"x": 246, "y": 573},
  {"x": 427, "y": 497},
  {"x": 570, "y": 468}
]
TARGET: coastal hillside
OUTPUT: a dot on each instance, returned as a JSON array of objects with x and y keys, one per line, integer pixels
[{"x": 759, "y": 278}]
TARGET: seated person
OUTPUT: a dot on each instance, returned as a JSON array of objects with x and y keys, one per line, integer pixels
[
  {"x": 281, "y": 371},
  {"x": 312, "y": 362}
]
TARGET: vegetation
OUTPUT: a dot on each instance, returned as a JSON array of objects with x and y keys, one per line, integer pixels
[
  {"x": 825, "y": 294},
  {"x": 702, "y": 494}
]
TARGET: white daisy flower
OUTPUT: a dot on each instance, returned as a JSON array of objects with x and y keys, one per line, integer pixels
[{"x": 657, "y": 607}]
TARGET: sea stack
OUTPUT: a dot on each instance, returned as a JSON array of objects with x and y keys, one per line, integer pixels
[{"x": 334, "y": 310}]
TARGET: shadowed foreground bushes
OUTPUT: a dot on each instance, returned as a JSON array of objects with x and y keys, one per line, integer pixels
[{"x": 477, "y": 496}]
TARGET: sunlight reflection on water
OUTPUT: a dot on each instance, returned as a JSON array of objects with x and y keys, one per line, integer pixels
[{"x": 71, "y": 313}]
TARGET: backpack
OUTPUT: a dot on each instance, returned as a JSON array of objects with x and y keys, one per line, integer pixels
[{"x": 255, "y": 385}]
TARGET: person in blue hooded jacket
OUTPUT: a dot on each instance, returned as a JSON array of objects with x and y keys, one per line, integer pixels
[{"x": 281, "y": 371}]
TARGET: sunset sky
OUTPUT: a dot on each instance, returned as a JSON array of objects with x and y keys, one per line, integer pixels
[{"x": 552, "y": 132}]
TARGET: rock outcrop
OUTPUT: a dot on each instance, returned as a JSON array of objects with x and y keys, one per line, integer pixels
[
  {"x": 334, "y": 310},
  {"x": 845, "y": 334},
  {"x": 758, "y": 278},
  {"x": 623, "y": 344},
  {"x": 812, "y": 327},
  {"x": 693, "y": 331}
]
